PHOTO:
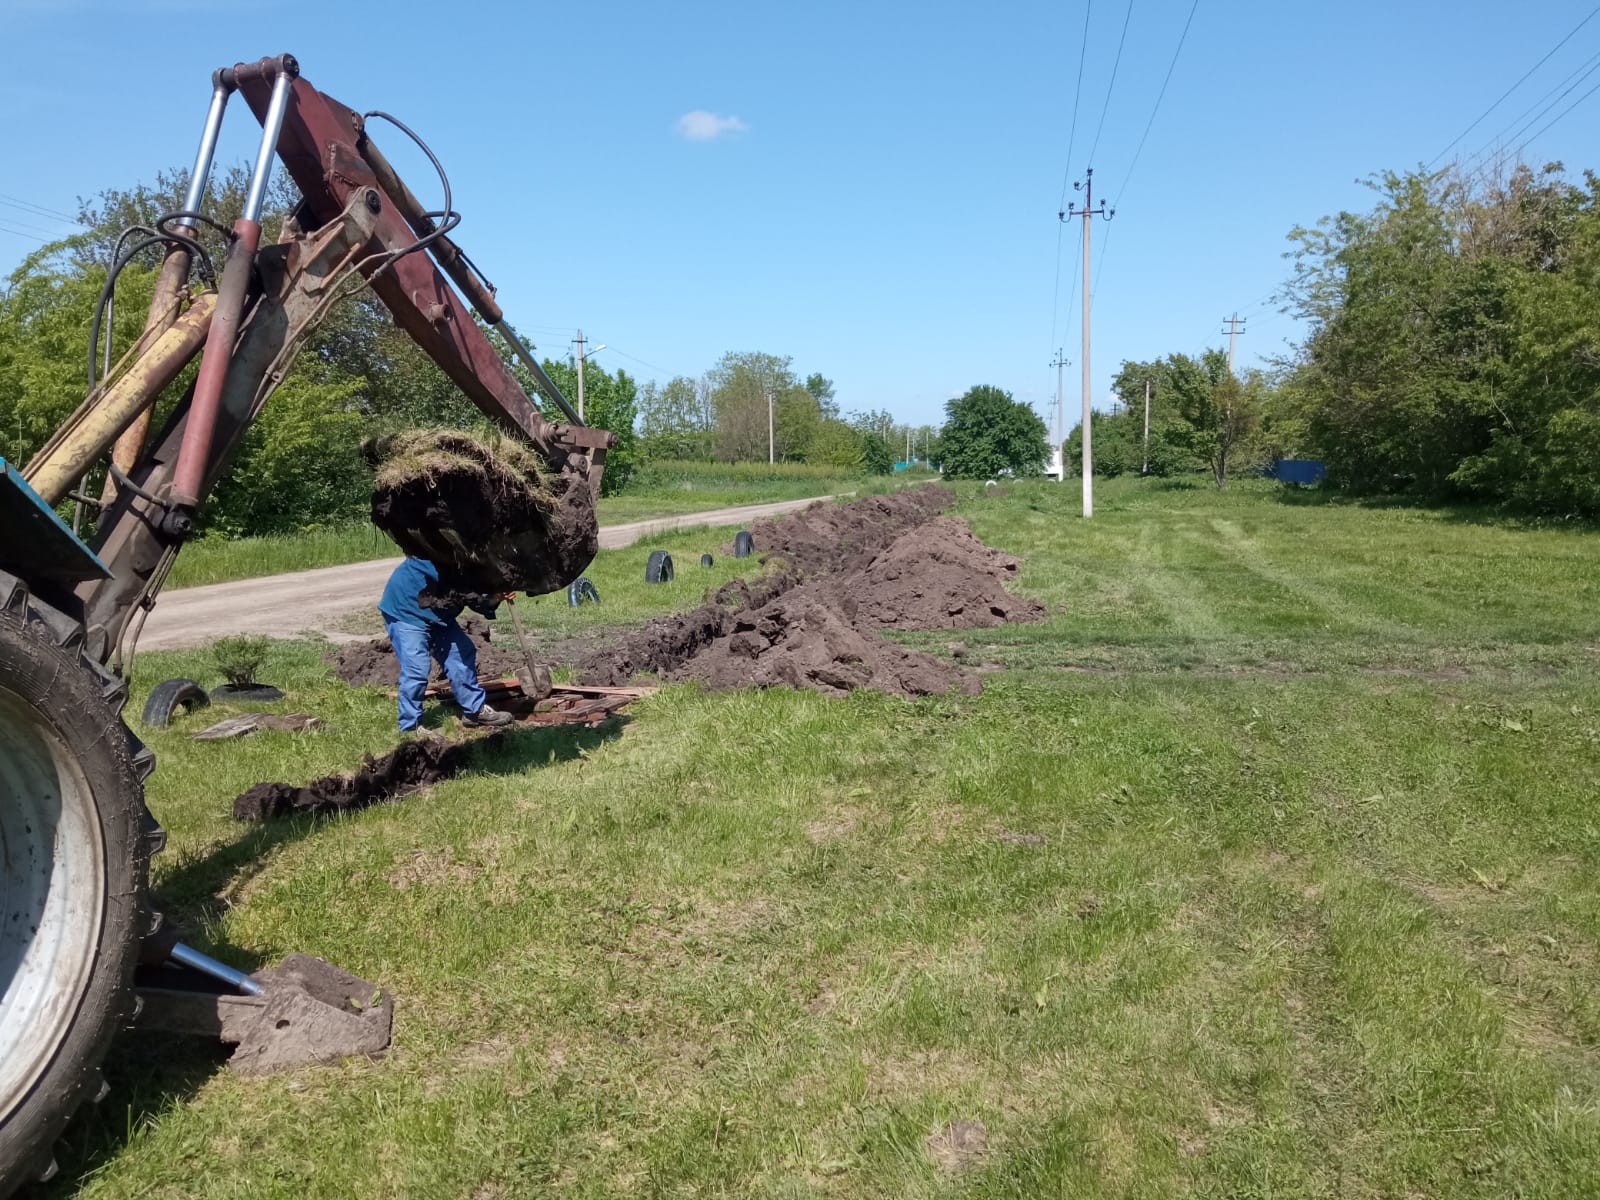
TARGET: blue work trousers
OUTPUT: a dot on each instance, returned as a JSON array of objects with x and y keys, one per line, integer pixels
[{"x": 417, "y": 650}]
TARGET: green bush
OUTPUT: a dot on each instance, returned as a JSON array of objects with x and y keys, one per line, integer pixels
[{"x": 239, "y": 658}]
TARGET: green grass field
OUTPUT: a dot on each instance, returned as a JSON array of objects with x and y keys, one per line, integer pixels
[
  {"x": 663, "y": 490},
  {"x": 1266, "y": 867}
]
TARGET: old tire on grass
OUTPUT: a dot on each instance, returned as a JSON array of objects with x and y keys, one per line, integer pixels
[
  {"x": 168, "y": 696},
  {"x": 743, "y": 544},
  {"x": 581, "y": 589},
  {"x": 76, "y": 842},
  {"x": 706, "y": 560},
  {"x": 659, "y": 567},
  {"x": 256, "y": 693}
]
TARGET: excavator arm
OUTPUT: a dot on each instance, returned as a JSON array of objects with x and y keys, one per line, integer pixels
[
  {"x": 77, "y": 922},
  {"x": 356, "y": 218}
]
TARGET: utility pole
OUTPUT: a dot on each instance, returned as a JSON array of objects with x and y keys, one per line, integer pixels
[
  {"x": 1059, "y": 450},
  {"x": 579, "y": 340},
  {"x": 908, "y": 447},
  {"x": 1233, "y": 327},
  {"x": 1087, "y": 213},
  {"x": 1146, "y": 469},
  {"x": 771, "y": 453}
]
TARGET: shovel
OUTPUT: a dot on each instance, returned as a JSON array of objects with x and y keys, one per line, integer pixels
[{"x": 535, "y": 680}]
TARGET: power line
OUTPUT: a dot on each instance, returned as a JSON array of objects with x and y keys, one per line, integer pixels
[
  {"x": 30, "y": 237},
  {"x": 47, "y": 233},
  {"x": 38, "y": 209},
  {"x": 1077, "y": 254},
  {"x": 1115, "y": 63},
  {"x": 1480, "y": 157},
  {"x": 1105, "y": 245},
  {"x": 1066, "y": 173},
  {"x": 1094, "y": 289},
  {"x": 1055, "y": 292},
  {"x": 632, "y": 358},
  {"x": 1558, "y": 116},
  {"x": 1172, "y": 66},
  {"x": 1514, "y": 86},
  {"x": 1077, "y": 92}
]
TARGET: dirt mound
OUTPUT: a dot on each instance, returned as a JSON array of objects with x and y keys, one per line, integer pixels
[
  {"x": 665, "y": 644},
  {"x": 805, "y": 639},
  {"x": 833, "y": 537},
  {"x": 491, "y": 514},
  {"x": 410, "y": 766},
  {"x": 939, "y": 576},
  {"x": 850, "y": 570},
  {"x": 372, "y": 664}
]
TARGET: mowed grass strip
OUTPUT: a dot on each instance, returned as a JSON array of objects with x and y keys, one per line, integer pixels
[{"x": 1190, "y": 924}]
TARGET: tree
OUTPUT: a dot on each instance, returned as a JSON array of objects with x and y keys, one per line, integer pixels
[
  {"x": 1454, "y": 345},
  {"x": 1118, "y": 448},
  {"x": 673, "y": 420},
  {"x": 1221, "y": 411},
  {"x": 740, "y": 384},
  {"x": 821, "y": 389},
  {"x": 835, "y": 444},
  {"x": 875, "y": 456},
  {"x": 986, "y": 432}
]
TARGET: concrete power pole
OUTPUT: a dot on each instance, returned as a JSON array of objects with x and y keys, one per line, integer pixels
[
  {"x": 1233, "y": 327},
  {"x": 771, "y": 451},
  {"x": 1088, "y": 212},
  {"x": 579, "y": 340},
  {"x": 1146, "y": 468},
  {"x": 1059, "y": 450}
]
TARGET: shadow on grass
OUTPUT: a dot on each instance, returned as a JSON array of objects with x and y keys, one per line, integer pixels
[
  {"x": 147, "y": 1074},
  {"x": 1458, "y": 512},
  {"x": 194, "y": 893},
  {"x": 150, "y": 1073}
]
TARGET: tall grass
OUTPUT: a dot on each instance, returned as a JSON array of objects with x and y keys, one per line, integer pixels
[{"x": 217, "y": 560}]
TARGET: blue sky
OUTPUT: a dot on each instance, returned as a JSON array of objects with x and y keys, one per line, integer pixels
[{"x": 870, "y": 188}]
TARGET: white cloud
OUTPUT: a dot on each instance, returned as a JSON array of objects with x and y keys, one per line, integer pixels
[{"x": 702, "y": 126}]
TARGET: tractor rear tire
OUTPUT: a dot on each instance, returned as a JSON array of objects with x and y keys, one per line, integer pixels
[{"x": 75, "y": 846}]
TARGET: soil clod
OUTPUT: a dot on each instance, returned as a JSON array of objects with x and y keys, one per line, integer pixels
[{"x": 405, "y": 769}]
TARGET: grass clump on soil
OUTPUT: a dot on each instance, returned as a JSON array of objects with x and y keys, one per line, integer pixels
[
  {"x": 506, "y": 467},
  {"x": 1265, "y": 865}
]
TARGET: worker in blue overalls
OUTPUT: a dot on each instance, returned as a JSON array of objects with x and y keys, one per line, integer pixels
[{"x": 423, "y": 634}]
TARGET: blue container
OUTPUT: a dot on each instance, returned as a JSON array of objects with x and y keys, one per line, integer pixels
[{"x": 1299, "y": 470}]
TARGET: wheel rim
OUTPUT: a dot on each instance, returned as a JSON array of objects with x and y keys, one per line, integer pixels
[{"x": 52, "y": 894}]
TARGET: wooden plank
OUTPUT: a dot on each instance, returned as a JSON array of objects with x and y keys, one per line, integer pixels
[
  {"x": 630, "y": 692},
  {"x": 247, "y": 723}
]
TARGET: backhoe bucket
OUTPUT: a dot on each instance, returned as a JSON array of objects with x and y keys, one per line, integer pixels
[{"x": 307, "y": 1011}]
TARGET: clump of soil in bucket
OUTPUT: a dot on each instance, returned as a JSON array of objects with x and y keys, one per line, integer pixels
[{"x": 489, "y": 512}]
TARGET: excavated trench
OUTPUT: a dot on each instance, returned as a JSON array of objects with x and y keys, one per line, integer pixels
[
  {"x": 837, "y": 576},
  {"x": 407, "y": 768}
]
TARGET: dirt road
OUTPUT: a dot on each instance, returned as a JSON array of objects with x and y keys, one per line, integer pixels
[{"x": 315, "y": 601}]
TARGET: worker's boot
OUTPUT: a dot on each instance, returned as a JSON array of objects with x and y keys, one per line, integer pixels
[{"x": 486, "y": 717}]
